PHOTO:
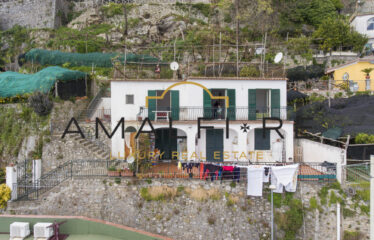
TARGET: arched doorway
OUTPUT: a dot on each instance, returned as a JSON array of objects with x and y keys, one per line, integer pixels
[{"x": 169, "y": 140}]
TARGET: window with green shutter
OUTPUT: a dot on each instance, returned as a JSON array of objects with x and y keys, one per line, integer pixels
[
  {"x": 151, "y": 105},
  {"x": 207, "y": 104},
  {"x": 231, "y": 111},
  {"x": 261, "y": 142},
  {"x": 251, "y": 104},
  {"x": 175, "y": 104},
  {"x": 275, "y": 103}
]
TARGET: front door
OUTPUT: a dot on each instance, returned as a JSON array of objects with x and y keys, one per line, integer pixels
[
  {"x": 214, "y": 143},
  {"x": 166, "y": 142}
]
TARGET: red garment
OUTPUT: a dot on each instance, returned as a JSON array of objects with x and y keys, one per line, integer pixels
[
  {"x": 228, "y": 168},
  {"x": 201, "y": 170}
]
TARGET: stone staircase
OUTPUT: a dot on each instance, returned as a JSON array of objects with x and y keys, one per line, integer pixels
[{"x": 100, "y": 152}]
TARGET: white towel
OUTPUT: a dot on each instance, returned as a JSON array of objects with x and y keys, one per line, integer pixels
[{"x": 255, "y": 179}]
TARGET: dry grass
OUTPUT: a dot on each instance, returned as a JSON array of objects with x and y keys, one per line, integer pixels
[
  {"x": 158, "y": 193},
  {"x": 201, "y": 194}
]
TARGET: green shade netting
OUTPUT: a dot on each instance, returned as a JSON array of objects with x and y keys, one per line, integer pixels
[
  {"x": 13, "y": 83},
  {"x": 46, "y": 57},
  {"x": 333, "y": 133}
]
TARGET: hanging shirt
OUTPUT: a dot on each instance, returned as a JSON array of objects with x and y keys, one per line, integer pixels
[
  {"x": 179, "y": 165},
  {"x": 283, "y": 176},
  {"x": 254, "y": 181},
  {"x": 266, "y": 174},
  {"x": 291, "y": 187}
]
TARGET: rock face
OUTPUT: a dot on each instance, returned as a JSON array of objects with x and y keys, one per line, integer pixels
[{"x": 232, "y": 215}]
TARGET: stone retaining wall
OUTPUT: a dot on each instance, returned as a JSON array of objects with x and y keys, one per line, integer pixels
[{"x": 184, "y": 217}]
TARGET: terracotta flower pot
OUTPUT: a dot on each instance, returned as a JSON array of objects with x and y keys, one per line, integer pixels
[{"x": 114, "y": 173}]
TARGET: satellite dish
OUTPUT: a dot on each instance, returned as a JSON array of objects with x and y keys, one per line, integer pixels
[
  {"x": 174, "y": 66},
  {"x": 130, "y": 159},
  {"x": 278, "y": 57}
]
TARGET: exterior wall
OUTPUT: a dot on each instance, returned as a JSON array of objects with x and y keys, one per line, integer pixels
[
  {"x": 30, "y": 13},
  {"x": 355, "y": 74},
  {"x": 190, "y": 95},
  {"x": 248, "y": 218},
  {"x": 359, "y": 23},
  {"x": 318, "y": 152},
  {"x": 238, "y": 141},
  {"x": 315, "y": 152}
]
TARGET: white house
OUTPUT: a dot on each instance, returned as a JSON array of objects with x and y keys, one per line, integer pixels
[
  {"x": 364, "y": 24},
  {"x": 363, "y": 19},
  {"x": 241, "y": 100}
]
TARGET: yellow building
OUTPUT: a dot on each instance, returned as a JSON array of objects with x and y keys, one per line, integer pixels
[{"x": 351, "y": 73}]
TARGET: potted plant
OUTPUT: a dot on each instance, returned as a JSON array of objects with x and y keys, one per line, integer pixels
[
  {"x": 126, "y": 172},
  {"x": 112, "y": 172},
  {"x": 367, "y": 71}
]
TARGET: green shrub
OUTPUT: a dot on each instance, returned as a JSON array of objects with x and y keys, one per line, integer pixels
[
  {"x": 203, "y": 8},
  {"x": 365, "y": 209},
  {"x": 364, "y": 138},
  {"x": 112, "y": 9},
  {"x": 348, "y": 212},
  {"x": 348, "y": 235},
  {"x": 40, "y": 103},
  {"x": 249, "y": 71},
  {"x": 291, "y": 221},
  {"x": 112, "y": 168},
  {"x": 117, "y": 180},
  {"x": 313, "y": 203}
]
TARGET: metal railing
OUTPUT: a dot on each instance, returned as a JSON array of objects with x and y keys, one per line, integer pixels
[
  {"x": 31, "y": 190},
  {"x": 356, "y": 173},
  {"x": 233, "y": 113}
]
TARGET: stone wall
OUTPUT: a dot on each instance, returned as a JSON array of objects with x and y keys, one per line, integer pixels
[
  {"x": 49, "y": 13},
  {"x": 84, "y": 4},
  {"x": 28, "y": 13},
  {"x": 185, "y": 217}
]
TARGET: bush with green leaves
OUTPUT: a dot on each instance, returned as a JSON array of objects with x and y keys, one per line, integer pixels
[
  {"x": 249, "y": 71},
  {"x": 40, "y": 103},
  {"x": 364, "y": 138}
]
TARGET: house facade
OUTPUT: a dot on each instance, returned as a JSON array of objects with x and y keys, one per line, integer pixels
[
  {"x": 351, "y": 74},
  {"x": 231, "y": 112},
  {"x": 364, "y": 24}
]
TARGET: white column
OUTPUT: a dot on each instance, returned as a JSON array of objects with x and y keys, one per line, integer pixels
[
  {"x": 11, "y": 180},
  {"x": 191, "y": 148},
  {"x": 372, "y": 197},
  {"x": 338, "y": 221},
  {"x": 339, "y": 171},
  {"x": 36, "y": 171},
  {"x": 242, "y": 143}
]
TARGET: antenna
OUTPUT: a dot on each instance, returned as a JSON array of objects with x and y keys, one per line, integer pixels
[{"x": 278, "y": 57}]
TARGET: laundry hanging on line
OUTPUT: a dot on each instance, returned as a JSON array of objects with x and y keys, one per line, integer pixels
[{"x": 281, "y": 177}]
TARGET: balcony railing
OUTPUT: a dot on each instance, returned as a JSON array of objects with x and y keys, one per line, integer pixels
[{"x": 233, "y": 113}]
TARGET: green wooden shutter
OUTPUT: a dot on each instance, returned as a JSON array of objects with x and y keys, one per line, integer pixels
[
  {"x": 207, "y": 105},
  {"x": 175, "y": 104},
  {"x": 251, "y": 104},
  {"x": 232, "y": 102},
  {"x": 151, "y": 105},
  {"x": 275, "y": 103},
  {"x": 262, "y": 143}
]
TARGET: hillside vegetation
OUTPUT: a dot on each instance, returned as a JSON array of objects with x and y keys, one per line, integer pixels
[{"x": 191, "y": 29}]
